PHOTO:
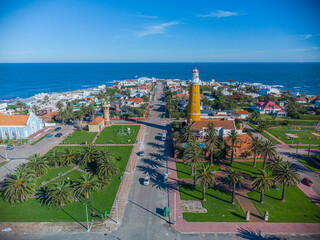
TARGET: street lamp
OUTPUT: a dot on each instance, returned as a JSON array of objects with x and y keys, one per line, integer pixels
[
  {"x": 93, "y": 212},
  {"x": 87, "y": 217}
]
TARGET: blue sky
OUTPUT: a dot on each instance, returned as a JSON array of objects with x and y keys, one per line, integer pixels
[{"x": 160, "y": 31}]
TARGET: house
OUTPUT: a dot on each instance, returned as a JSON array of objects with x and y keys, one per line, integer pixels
[
  {"x": 134, "y": 102},
  {"x": 222, "y": 126},
  {"x": 266, "y": 91},
  {"x": 118, "y": 96},
  {"x": 281, "y": 113},
  {"x": 282, "y": 103},
  {"x": 301, "y": 100},
  {"x": 265, "y": 107},
  {"x": 96, "y": 125},
  {"x": 242, "y": 114},
  {"x": 19, "y": 126},
  {"x": 3, "y": 107},
  {"x": 48, "y": 117},
  {"x": 317, "y": 103}
]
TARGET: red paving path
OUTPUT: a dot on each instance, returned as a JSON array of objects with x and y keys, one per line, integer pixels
[{"x": 223, "y": 227}]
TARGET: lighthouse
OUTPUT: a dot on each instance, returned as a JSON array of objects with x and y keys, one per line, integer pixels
[
  {"x": 194, "y": 113},
  {"x": 106, "y": 107}
]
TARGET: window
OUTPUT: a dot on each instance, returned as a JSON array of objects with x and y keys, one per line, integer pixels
[
  {"x": 194, "y": 103},
  {"x": 194, "y": 93},
  {"x": 195, "y": 86},
  {"x": 194, "y": 111}
]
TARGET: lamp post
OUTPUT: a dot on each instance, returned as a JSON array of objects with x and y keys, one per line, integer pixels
[
  {"x": 87, "y": 217},
  {"x": 93, "y": 212}
]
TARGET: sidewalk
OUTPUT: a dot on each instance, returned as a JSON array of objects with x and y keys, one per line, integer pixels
[{"x": 224, "y": 227}]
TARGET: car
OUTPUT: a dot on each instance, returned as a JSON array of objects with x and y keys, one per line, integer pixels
[
  {"x": 57, "y": 129},
  {"x": 141, "y": 153},
  {"x": 308, "y": 182},
  {"x": 146, "y": 180},
  {"x": 9, "y": 147},
  {"x": 58, "y": 135}
]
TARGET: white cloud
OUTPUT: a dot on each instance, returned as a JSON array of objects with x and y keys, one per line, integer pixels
[
  {"x": 219, "y": 14},
  {"x": 145, "y": 16},
  {"x": 157, "y": 29},
  {"x": 306, "y": 36}
]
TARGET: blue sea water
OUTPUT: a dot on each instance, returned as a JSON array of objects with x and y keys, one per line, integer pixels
[{"x": 26, "y": 79}]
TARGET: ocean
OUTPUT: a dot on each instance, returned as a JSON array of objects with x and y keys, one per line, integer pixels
[{"x": 27, "y": 79}]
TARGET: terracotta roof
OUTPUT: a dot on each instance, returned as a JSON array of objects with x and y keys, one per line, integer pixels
[
  {"x": 1, "y": 113},
  {"x": 144, "y": 87},
  {"x": 268, "y": 105},
  {"x": 242, "y": 112},
  {"x": 49, "y": 115},
  {"x": 13, "y": 120},
  {"x": 97, "y": 121},
  {"x": 135, "y": 100},
  {"x": 244, "y": 141},
  {"x": 199, "y": 125}
]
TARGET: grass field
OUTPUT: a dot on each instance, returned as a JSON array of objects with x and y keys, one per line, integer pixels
[
  {"x": 309, "y": 164},
  {"x": 296, "y": 208},
  {"x": 265, "y": 134},
  {"x": 33, "y": 211},
  {"x": 52, "y": 173},
  {"x": 3, "y": 163},
  {"x": 246, "y": 167},
  {"x": 78, "y": 137},
  {"x": 184, "y": 171},
  {"x": 73, "y": 175},
  {"x": 280, "y": 133},
  {"x": 109, "y": 135},
  {"x": 218, "y": 205}
]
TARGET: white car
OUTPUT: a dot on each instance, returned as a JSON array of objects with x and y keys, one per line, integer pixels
[{"x": 146, "y": 180}]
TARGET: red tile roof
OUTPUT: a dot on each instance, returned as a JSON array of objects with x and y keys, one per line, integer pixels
[
  {"x": 268, "y": 105},
  {"x": 135, "y": 100},
  {"x": 199, "y": 125},
  {"x": 97, "y": 121},
  {"x": 13, "y": 120}
]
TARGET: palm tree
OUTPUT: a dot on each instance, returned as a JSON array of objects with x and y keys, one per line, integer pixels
[
  {"x": 262, "y": 182},
  {"x": 211, "y": 143},
  {"x": 262, "y": 127},
  {"x": 275, "y": 163},
  {"x": 60, "y": 193},
  {"x": 35, "y": 108},
  {"x": 81, "y": 114},
  {"x": 20, "y": 104},
  {"x": 18, "y": 186},
  {"x": 91, "y": 110},
  {"x": 233, "y": 138},
  {"x": 68, "y": 156},
  {"x": 286, "y": 175},
  {"x": 268, "y": 150},
  {"x": 62, "y": 116},
  {"x": 59, "y": 105},
  {"x": 89, "y": 154},
  {"x": 85, "y": 185},
  {"x": 255, "y": 116},
  {"x": 38, "y": 164},
  {"x": 54, "y": 157},
  {"x": 46, "y": 98},
  {"x": 107, "y": 166},
  {"x": 205, "y": 179},
  {"x": 193, "y": 157},
  {"x": 255, "y": 148},
  {"x": 102, "y": 182},
  {"x": 234, "y": 178},
  {"x": 188, "y": 134}
]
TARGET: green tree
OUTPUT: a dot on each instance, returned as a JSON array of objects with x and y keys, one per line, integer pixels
[
  {"x": 107, "y": 166},
  {"x": 19, "y": 186},
  {"x": 91, "y": 111},
  {"x": 268, "y": 150},
  {"x": 68, "y": 156},
  {"x": 287, "y": 175},
  {"x": 20, "y": 104},
  {"x": 89, "y": 154},
  {"x": 205, "y": 179},
  {"x": 255, "y": 147},
  {"x": 46, "y": 98},
  {"x": 255, "y": 116},
  {"x": 81, "y": 114},
  {"x": 59, "y": 105},
  {"x": 62, "y": 116},
  {"x": 234, "y": 178},
  {"x": 188, "y": 134},
  {"x": 59, "y": 194},
  {"x": 38, "y": 165},
  {"x": 193, "y": 158},
  {"x": 262, "y": 182},
  {"x": 85, "y": 185},
  {"x": 54, "y": 157},
  {"x": 262, "y": 127},
  {"x": 35, "y": 108},
  {"x": 211, "y": 141},
  {"x": 275, "y": 163},
  {"x": 233, "y": 138}
]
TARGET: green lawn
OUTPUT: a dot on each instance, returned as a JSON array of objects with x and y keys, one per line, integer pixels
[
  {"x": 304, "y": 147},
  {"x": 3, "y": 163},
  {"x": 309, "y": 164},
  {"x": 246, "y": 167},
  {"x": 296, "y": 208},
  {"x": 78, "y": 137},
  {"x": 280, "y": 132},
  {"x": 52, "y": 173},
  {"x": 109, "y": 135},
  {"x": 73, "y": 175},
  {"x": 218, "y": 205},
  {"x": 264, "y": 134},
  {"x": 33, "y": 210},
  {"x": 184, "y": 171}
]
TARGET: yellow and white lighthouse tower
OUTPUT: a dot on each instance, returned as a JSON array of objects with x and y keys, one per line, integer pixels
[{"x": 194, "y": 113}]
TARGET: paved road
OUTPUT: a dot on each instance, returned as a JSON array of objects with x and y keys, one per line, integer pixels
[{"x": 20, "y": 154}]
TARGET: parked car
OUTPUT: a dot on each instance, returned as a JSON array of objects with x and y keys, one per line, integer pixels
[
  {"x": 58, "y": 135},
  {"x": 9, "y": 147},
  {"x": 308, "y": 182},
  {"x": 141, "y": 153},
  {"x": 58, "y": 129},
  {"x": 146, "y": 180}
]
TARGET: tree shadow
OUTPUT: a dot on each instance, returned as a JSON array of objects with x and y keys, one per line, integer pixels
[
  {"x": 155, "y": 145},
  {"x": 152, "y": 163},
  {"x": 250, "y": 234},
  {"x": 155, "y": 214},
  {"x": 73, "y": 218},
  {"x": 148, "y": 170}
]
